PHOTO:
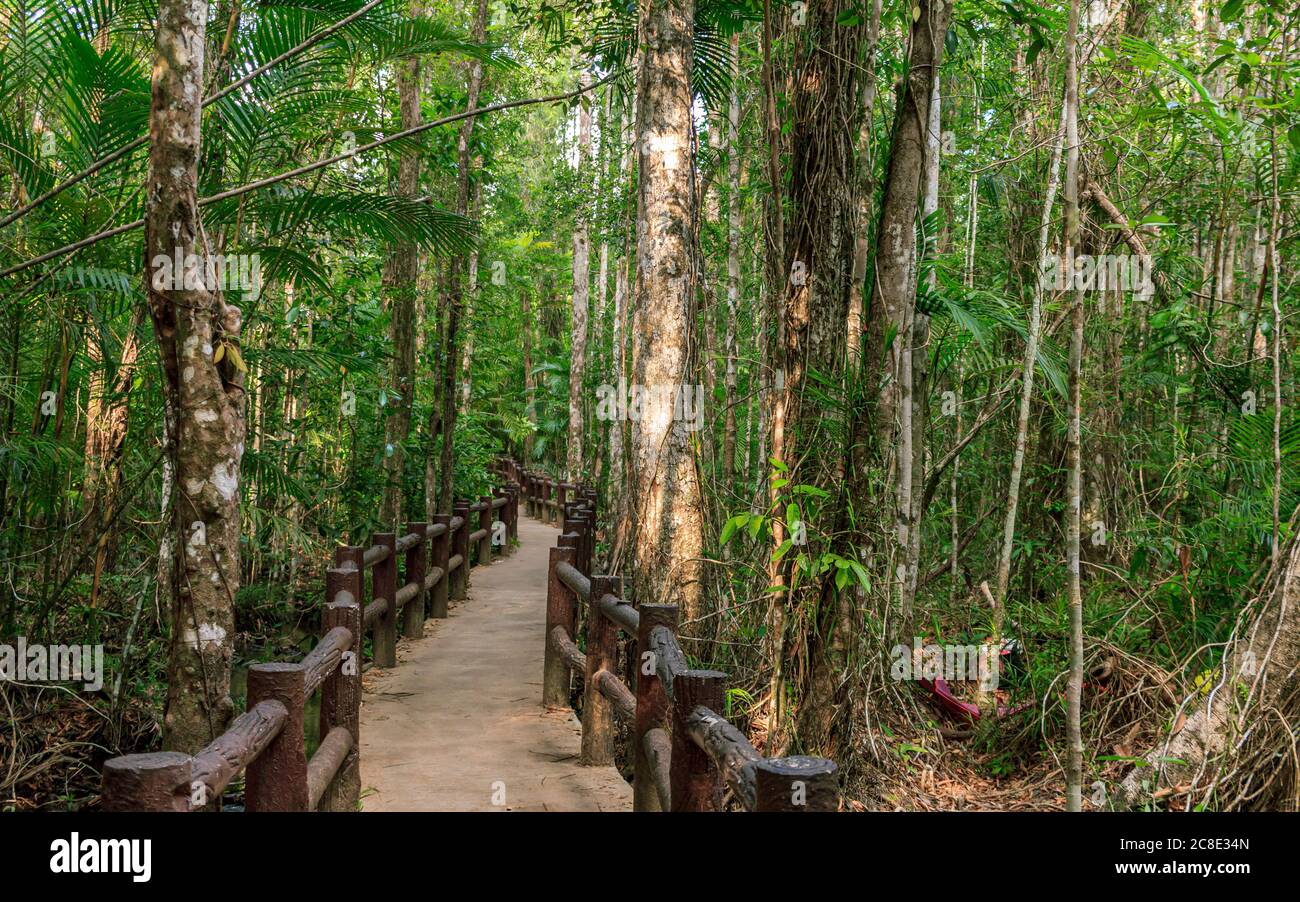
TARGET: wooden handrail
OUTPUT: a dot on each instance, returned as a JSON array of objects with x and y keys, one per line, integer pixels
[
  {"x": 619, "y": 695},
  {"x": 686, "y": 753},
  {"x": 566, "y": 649},
  {"x": 572, "y": 577},
  {"x": 226, "y": 756},
  {"x": 730, "y": 750},
  {"x": 657, "y": 751},
  {"x": 266, "y": 742},
  {"x": 325, "y": 763},
  {"x": 325, "y": 657},
  {"x": 620, "y": 612}
]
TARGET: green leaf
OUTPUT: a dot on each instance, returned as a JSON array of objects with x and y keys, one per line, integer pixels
[
  {"x": 729, "y": 528},
  {"x": 861, "y": 573}
]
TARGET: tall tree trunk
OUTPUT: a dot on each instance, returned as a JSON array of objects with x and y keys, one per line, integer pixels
[
  {"x": 467, "y": 355},
  {"x": 599, "y": 432},
  {"x": 772, "y": 345},
  {"x": 106, "y": 424},
  {"x": 1074, "y": 691},
  {"x": 204, "y": 395},
  {"x": 889, "y": 339},
  {"x": 530, "y": 391},
  {"x": 667, "y": 541},
  {"x": 866, "y": 185},
  {"x": 618, "y": 429},
  {"x": 821, "y": 209},
  {"x": 581, "y": 293},
  {"x": 1028, "y": 366},
  {"x": 455, "y": 298},
  {"x": 919, "y": 368},
  {"x": 400, "y": 282},
  {"x": 733, "y": 267},
  {"x": 1275, "y": 266}
]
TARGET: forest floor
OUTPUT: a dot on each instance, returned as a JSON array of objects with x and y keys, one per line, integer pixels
[{"x": 459, "y": 726}]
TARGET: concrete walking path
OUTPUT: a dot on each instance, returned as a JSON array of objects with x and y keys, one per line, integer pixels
[{"x": 459, "y": 724}]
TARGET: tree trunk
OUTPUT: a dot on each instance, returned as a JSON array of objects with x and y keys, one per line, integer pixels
[
  {"x": 733, "y": 268},
  {"x": 106, "y": 426},
  {"x": 401, "y": 275},
  {"x": 1074, "y": 690},
  {"x": 666, "y": 541},
  {"x": 618, "y": 428},
  {"x": 889, "y": 339},
  {"x": 581, "y": 294},
  {"x": 821, "y": 209},
  {"x": 467, "y": 355},
  {"x": 530, "y": 392},
  {"x": 455, "y": 296},
  {"x": 204, "y": 393}
]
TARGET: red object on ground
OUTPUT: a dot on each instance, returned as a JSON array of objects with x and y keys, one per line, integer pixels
[{"x": 959, "y": 709}]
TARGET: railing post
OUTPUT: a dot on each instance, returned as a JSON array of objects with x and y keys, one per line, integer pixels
[
  {"x": 696, "y": 783},
  {"x": 546, "y": 501},
  {"x": 588, "y": 538},
  {"x": 441, "y": 552},
  {"x": 512, "y": 525},
  {"x": 576, "y": 526},
  {"x": 414, "y": 567},
  {"x": 485, "y": 522},
  {"x": 799, "y": 783},
  {"x": 530, "y": 495},
  {"x": 602, "y": 654},
  {"x": 560, "y": 608},
  {"x": 154, "y": 781},
  {"x": 340, "y": 694},
  {"x": 384, "y": 585},
  {"x": 276, "y": 780},
  {"x": 652, "y": 702},
  {"x": 501, "y": 515},
  {"x": 460, "y": 545},
  {"x": 561, "y": 493}
]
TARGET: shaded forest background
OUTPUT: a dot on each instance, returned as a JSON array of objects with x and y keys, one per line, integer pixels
[{"x": 836, "y": 506}]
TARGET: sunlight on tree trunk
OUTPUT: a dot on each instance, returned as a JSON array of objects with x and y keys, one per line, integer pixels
[{"x": 666, "y": 541}]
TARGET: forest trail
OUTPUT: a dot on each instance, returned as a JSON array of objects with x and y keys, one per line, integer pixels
[{"x": 463, "y": 711}]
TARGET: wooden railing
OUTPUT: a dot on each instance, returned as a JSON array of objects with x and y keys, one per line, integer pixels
[
  {"x": 266, "y": 742},
  {"x": 685, "y": 752}
]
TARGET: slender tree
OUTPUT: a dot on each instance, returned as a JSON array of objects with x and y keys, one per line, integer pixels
[
  {"x": 581, "y": 294},
  {"x": 1074, "y": 491}
]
